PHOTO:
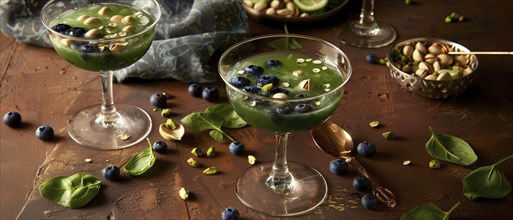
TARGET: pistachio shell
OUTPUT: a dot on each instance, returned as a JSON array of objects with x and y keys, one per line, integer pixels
[
  {"x": 461, "y": 60},
  {"x": 248, "y": 3},
  {"x": 171, "y": 134},
  {"x": 82, "y": 17},
  {"x": 467, "y": 71},
  {"x": 418, "y": 55},
  {"x": 305, "y": 84},
  {"x": 421, "y": 48},
  {"x": 444, "y": 76},
  {"x": 426, "y": 66},
  {"x": 275, "y": 4},
  {"x": 430, "y": 77},
  {"x": 445, "y": 59},
  {"x": 260, "y": 6},
  {"x": 408, "y": 50},
  {"x": 436, "y": 66},
  {"x": 270, "y": 11},
  {"x": 436, "y": 49},
  {"x": 421, "y": 73},
  {"x": 116, "y": 18},
  {"x": 104, "y": 10},
  {"x": 430, "y": 58}
]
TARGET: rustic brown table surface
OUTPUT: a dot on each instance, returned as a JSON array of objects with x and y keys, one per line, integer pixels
[{"x": 46, "y": 89}]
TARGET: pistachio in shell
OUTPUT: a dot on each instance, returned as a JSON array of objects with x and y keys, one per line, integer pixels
[{"x": 171, "y": 134}]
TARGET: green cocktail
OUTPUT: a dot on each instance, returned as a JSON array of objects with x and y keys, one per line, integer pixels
[
  {"x": 99, "y": 23},
  {"x": 283, "y": 84},
  {"x": 295, "y": 76},
  {"x": 104, "y": 36}
]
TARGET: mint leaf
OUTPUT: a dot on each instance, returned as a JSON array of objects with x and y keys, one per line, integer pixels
[
  {"x": 230, "y": 118},
  {"x": 72, "y": 191},
  {"x": 202, "y": 121}
]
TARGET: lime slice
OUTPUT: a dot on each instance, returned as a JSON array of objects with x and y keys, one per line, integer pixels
[{"x": 311, "y": 5}]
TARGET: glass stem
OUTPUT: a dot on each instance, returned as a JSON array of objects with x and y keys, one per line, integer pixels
[
  {"x": 366, "y": 25},
  {"x": 280, "y": 177},
  {"x": 108, "y": 116}
]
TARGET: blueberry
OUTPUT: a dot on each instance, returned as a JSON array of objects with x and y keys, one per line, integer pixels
[
  {"x": 61, "y": 28},
  {"x": 361, "y": 183},
  {"x": 239, "y": 81},
  {"x": 267, "y": 79},
  {"x": 44, "y": 132},
  {"x": 282, "y": 110},
  {"x": 366, "y": 148},
  {"x": 273, "y": 64},
  {"x": 338, "y": 166},
  {"x": 303, "y": 108},
  {"x": 160, "y": 146},
  {"x": 76, "y": 32},
  {"x": 236, "y": 148},
  {"x": 88, "y": 48},
  {"x": 279, "y": 90},
  {"x": 230, "y": 214},
  {"x": 252, "y": 89},
  {"x": 300, "y": 96},
  {"x": 253, "y": 70},
  {"x": 372, "y": 58},
  {"x": 12, "y": 119},
  {"x": 210, "y": 94},
  {"x": 195, "y": 90},
  {"x": 369, "y": 201},
  {"x": 158, "y": 100},
  {"x": 111, "y": 172}
]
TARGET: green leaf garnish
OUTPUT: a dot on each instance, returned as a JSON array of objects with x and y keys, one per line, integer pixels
[
  {"x": 141, "y": 162},
  {"x": 428, "y": 211},
  {"x": 72, "y": 191},
  {"x": 285, "y": 43},
  {"x": 487, "y": 182},
  {"x": 213, "y": 119},
  {"x": 451, "y": 149}
]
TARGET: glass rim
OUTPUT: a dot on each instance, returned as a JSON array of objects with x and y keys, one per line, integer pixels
[
  {"x": 289, "y": 99},
  {"x": 146, "y": 29}
]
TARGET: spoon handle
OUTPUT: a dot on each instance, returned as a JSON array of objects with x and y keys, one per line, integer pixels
[{"x": 382, "y": 193}]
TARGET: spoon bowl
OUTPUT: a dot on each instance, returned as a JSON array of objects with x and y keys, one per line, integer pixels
[{"x": 335, "y": 141}]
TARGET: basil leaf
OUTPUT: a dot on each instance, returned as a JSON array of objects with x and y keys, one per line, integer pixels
[
  {"x": 72, "y": 191},
  {"x": 202, "y": 121},
  {"x": 141, "y": 162},
  {"x": 230, "y": 118},
  {"x": 428, "y": 211},
  {"x": 451, "y": 149},
  {"x": 217, "y": 135},
  {"x": 285, "y": 44},
  {"x": 487, "y": 182}
]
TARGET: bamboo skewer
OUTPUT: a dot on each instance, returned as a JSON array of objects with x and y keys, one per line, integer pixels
[{"x": 482, "y": 53}]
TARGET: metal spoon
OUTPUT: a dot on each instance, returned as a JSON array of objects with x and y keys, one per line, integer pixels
[{"x": 335, "y": 141}]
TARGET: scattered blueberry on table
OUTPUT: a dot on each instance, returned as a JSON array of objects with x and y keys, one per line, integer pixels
[
  {"x": 338, "y": 166},
  {"x": 159, "y": 147},
  {"x": 111, "y": 172},
  {"x": 369, "y": 201},
  {"x": 195, "y": 90},
  {"x": 230, "y": 214},
  {"x": 361, "y": 183},
  {"x": 236, "y": 148},
  {"x": 366, "y": 148},
  {"x": 44, "y": 132},
  {"x": 12, "y": 119},
  {"x": 158, "y": 100},
  {"x": 210, "y": 94},
  {"x": 372, "y": 58}
]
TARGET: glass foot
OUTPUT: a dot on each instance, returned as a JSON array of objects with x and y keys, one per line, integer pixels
[
  {"x": 378, "y": 37},
  {"x": 133, "y": 126},
  {"x": 307, "y": 191}
]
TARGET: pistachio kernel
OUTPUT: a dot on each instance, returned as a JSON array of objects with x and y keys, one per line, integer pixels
[
  {"x": 104, "y": 10},
  {"x": 88, "y": 160},
  {"x": 192, "y": 162},
  {"x": 211, "y": 152},
  {"x": 374, "y": 124},
  {"x": 166, "y": 113},
  {"x": 183, "y": 193},
  {"x": 91, "y": 33},
  {"x": 197, "y": 152},
  {"x": 116, "y": 47},
  {"x": 267, "y": 88},
  {"x": 406, "y": 162},
  {"x": 170, "y": 124},
  {"x": 82, "y": 18},
  {"x": 240, "y": 72},
  {"x": 127, "y": 19},
  {"x": 210, "y": 171},
  {"x": 324, "y": 68},
  {"x": 388, "y": 135},
  {"x": 116, "y": 18},
  {"x": 251, "y": 159},
  {"x": 435, "y": 164},
  {"x": 91, "y": 20},
  {"x": 128, "y": 28},
  {"x": 317, "y": 61}
]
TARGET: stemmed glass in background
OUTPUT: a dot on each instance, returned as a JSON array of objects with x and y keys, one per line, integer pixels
[
  {"x": 366, "y": 32},
  {"x": 110, "y": 47},
  {"x": 283, "y": 188}
]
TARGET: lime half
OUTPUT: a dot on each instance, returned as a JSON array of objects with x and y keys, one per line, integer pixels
[{"x": 311, "y": 5}]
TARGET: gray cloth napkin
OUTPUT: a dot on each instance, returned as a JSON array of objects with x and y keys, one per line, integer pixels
[{"x": 188, "y": 33}]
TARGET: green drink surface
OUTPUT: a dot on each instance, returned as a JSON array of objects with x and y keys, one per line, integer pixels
[
  {"x": 294, "y": 69},
  {"x": 107, "y": 43}
]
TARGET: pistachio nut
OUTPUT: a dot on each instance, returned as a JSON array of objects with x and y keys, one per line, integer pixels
[
  {"x": 183, "y": 193},
  {"x": 192, "y": 162},
  {"x": 211, "y": 171},
  {"x": 197, "y": 152},
  {"x": 211, "y": 152}
]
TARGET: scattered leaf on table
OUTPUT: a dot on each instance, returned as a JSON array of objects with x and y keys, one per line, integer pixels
[
  {"x": 141, "y": 162},
  {"x": 487, "y": 182},
  {"x": 72, "y": 191},
  {"x": 428, "y": 211},
  {"x": 450, "y": 149},
  {"x": 230, "y": 118}
]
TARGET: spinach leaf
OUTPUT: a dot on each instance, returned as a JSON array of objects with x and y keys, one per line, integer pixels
[
  {"x": 203, "y": 121},
  {"x": 487, "y": 182},
  {"x": 449, "y": 148},
  {"x": 285, "y": 43},
  {"x": 72, "y": 191},
  {"x": 230, "y": 118},
  {"x": 141, "y": 162},
  {"x": 428, "y": 211}
]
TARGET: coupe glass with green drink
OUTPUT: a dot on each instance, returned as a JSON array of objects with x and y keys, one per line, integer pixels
[
  {"x": 283, "y": 84},
  {"x": 103, "y": 36}
]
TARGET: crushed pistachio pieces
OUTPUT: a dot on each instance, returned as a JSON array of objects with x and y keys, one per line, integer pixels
[
  {"x": 374, "y": 124},
  {"x": 193, "y": 162},
  {"x": 406, "y": 162},
  {"x": 388, "y": 135},
  {"x": 211, "y": 152},
  {"x": 251, "y": 159},
  {"x": 197, "y": 152},
  {"x": 435, "y": 164},
  {"x": 183, "y": 193},
  {"x": 210, "y": 171}
]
